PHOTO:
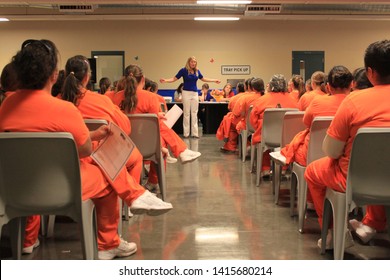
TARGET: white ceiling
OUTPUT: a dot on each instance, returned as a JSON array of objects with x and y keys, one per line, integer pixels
[{"x": 183, "y": 10}]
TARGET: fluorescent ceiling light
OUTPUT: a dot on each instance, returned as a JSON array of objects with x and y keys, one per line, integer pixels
[
  {"x": 231, "y": 2},
  {"x": 217, "y": 18},
  {"x": 4, "y": 19}
]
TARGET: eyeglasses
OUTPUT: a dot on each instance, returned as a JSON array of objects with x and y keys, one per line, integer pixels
[{"x": 41, "y": 42}]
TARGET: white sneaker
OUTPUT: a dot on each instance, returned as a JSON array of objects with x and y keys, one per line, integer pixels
[
  {"x": 29, "y": 249},
  {"x": 189, "y": 155},
  {"x": 170, "y": 159},
  {"x": 364, "y": 232},
  {"x": 124, "y": 249},
  {"x": 149, "y": 204}
]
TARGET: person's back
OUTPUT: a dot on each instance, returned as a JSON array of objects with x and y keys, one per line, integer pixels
[{"x": 318, "y": 82}]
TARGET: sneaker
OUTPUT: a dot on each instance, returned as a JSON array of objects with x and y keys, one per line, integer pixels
[
  {"x": 124, "y": 249},
  {"x": 189, "y": 155},
  {"x": 170, "y": 159},
  {"x": 226, "y": 151},
  {"x": 29, "y": 249},
  {"x": 149, "y": 204},
  {"x": 364, "y": 232}
]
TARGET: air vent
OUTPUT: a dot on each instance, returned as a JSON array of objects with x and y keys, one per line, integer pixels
[
  {"x": 257, "y": 10},
  {"x": 76, "y": 8}
]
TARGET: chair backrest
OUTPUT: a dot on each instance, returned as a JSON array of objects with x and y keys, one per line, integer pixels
[
  {"x": 94, "y": 124},
  {"x": 318, "y": 129},
  {"x": 271, "y": 133},
  {"x": 292, "y": 124},
  {"x": 39, "y": 174},
  {"x": 145, "y": 133},
  {"x": 368, "y": 179},
  {"x": 249, "y": 126}
]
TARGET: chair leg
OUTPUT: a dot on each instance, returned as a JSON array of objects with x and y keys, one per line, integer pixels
[
  {"x": 339, "y": 227},
  {"x": 88, "y": 230},
  {"x": 277, "y": 178},
  {"x": 253, "y": 158},
  {"x": 243, "y": 138},
  {"x": 17, "y": 226},
  {"x": 293, "y": 193},
  {"x": 259, "y": 163},
  {"x": 302, "y": 194},
  {"x": 325, "y": 224},
  {"x": 161, "y": 178}
]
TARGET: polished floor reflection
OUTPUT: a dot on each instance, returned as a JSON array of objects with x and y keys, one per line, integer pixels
[{"x": 218, "y": 214}]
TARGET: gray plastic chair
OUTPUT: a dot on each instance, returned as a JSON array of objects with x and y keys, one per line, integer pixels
[
  {"x": 243, "y": 136},
  {"x": 271, "y": 135},
  {"x": 292, "y": 124},
  {"x": 145, "y": 133},
  {"x": 40, "y": 175},
  {"x": 367, "y": 184},
  {"x": 318, "y": 129}
]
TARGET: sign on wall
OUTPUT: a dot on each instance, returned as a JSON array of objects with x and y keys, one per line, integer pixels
[{"x": 235, "y": 69}]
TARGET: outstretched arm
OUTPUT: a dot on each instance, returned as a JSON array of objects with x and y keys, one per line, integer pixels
[
  {"x": 210, "y": 80},
  {"x": 171, "y": 80}
]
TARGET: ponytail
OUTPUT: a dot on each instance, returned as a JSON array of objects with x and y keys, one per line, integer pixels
[{"x": 130, "y": 102}]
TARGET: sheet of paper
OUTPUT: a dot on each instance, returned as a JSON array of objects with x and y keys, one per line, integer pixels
[
  {"x": 173, "y": 115},
  {"x": 113, "y": 152}
]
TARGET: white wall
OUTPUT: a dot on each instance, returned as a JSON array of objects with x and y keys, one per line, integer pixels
[{"x": 164, "y": 46}]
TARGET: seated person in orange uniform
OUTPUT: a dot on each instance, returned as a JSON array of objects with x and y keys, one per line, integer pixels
[
  {"x": 225, "y": 125},
  {"x": 135, "y": 100},
  {"x": 33, "y": 108},
  {"x": 296, "y": 87},
  {"x": 276, "y": 97},
  {"x": 318, "y": 82},
  {"x": 367, "y": 108},
  {"x": 97, "y": 106}
]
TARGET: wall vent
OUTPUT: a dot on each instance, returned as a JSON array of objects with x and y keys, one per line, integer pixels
[
  {"x": 257, "y": 10},
  {"x": 76, "y": 8}
]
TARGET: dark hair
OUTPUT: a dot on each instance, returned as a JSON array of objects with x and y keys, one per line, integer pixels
[
  {"x": 180, "y": 88},
  {"x": 298, "y": 83},
  {"x": 9, "y": 80},
  {"x": 240, "y": 87},
  {"x": 35, "y": 63},
  {"x": 57, "y": 87},
  {"x": 104, "y": 84},
  {"x": 148, "y": 84},
  {"x": 76, "y": 69},
  {"x": 206, "y": 86},
  {"x": 133, "y": 76},
  {"x": 257, "y": 84},
  {"x": 248, "y": 83},
  {"x": 340, "y": 77},
  {"x": 360, "y": 78},
  {"x": 377, "y": 57}
]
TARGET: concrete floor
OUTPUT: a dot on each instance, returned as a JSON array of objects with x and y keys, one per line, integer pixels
[{"x": 219, "y": 214}]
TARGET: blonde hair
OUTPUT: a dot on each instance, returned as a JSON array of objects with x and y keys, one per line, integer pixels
[{"x": 188, "y": 67}]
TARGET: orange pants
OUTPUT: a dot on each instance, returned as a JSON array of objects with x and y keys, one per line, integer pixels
[
  {"x": 170, "y": 137},
  {"x": 326, "y": 173}
]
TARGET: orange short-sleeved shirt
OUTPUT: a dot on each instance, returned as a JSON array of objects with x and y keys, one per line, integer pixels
[
  {"x": 369, "y": 107},
  {"x": 96, "y": 106},
  {"x": 38, "y": 111},
  {"x": 269, "y": 100},
  {"x": 241, "y": 108},
  {"x": 307, "y": 98},
  {"x": 233, "y": 100}
]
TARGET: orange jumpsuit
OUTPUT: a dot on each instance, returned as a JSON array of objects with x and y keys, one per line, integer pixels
[
  {"x": 269, "y": 100},
  {"x": 308, "y": 97},
  {"x": 369, "y": 107},
  {"x": 295, "y": 95},
  {"x": 96, "y": 106},
  {"x": 38, "y": 110},
  {"x": 224, "y": 129},
  {"x": 323, "y": 105}
]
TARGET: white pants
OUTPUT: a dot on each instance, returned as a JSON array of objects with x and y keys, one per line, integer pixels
[{"x": 190, "y": 110}]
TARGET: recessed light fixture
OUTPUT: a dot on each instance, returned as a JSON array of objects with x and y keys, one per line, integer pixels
[
  {"x": 4, "y": 19},
  {"x": 217, "y": 18},
  {"x": 231, "y": 2}
]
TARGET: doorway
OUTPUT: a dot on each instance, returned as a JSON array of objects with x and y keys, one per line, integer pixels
[
  {"x": 109, "y": 64},
  {"x": 305, "y": 63}
]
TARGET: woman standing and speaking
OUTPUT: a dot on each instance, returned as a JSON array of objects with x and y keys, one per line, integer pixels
[{"x": 190, "y": 74}]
